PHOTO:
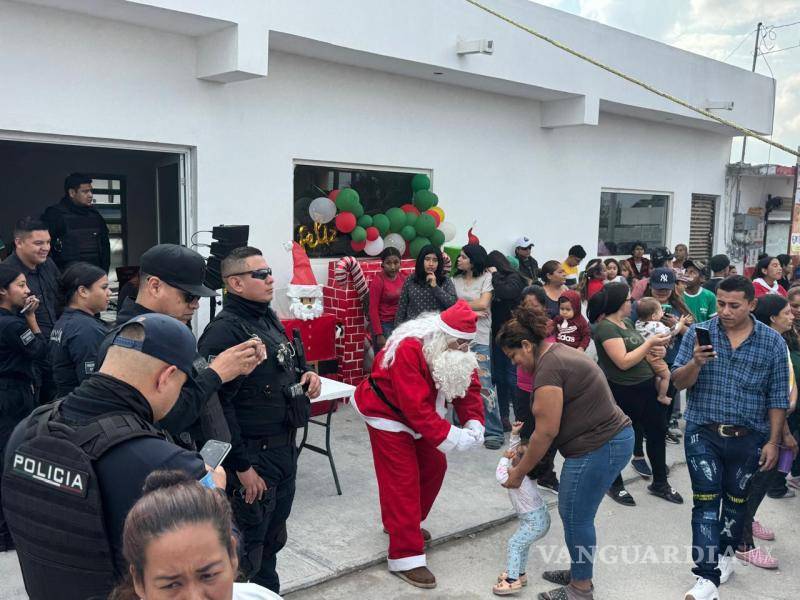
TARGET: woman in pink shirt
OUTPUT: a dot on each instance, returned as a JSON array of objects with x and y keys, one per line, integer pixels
[{"x": 384, "y": 294}]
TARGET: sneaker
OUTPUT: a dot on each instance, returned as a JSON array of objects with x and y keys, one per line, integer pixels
[
  {"x": 641, "y": 467},
  {"x": 758, "y": 558},
  {"x": 725, "y": 566},
  {"x": 788, "y": 493},
  {"x": 621, "y": 496},
  {"x": 703, "y": 590},
  {"x": 762, "y": 533},
  {"x": 793, "y": 481},
  {"x": 671, "y": 438},
  {"x": 550, "y": 486},
  {"x": 666, "y": 492}
]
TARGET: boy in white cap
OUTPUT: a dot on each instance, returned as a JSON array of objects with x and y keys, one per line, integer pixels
[{"x": 528, "y": 266}]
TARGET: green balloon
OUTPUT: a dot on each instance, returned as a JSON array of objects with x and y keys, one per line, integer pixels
[
  {"x": 420, "y": 181},
  {"x": 411, "y": 218},
  {"x": 408, "y": 232},
  {"x": 417, "y": 245},
  {"x": 437, "y": 239},
  {"x": 382, "y": 223},
  {"x": 397, "y": 219},
  {"x": 365, "y": 221},
  {"x": 425, "y": 225},
  {"x": 358, "y": 210},
  {"x": 435, "y": 199},
  {"x": 424, "y": 199},
  {"x": 347, "y": 200},
  {"x": 359, "y": 234}
]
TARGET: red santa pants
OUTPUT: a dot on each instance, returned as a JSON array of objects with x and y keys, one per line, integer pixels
[{"x": 410, "y": 473}]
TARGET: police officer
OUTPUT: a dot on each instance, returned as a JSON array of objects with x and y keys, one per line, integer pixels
[
  {"x": 263, "y": 410},
  {"x": 73, "y": 469},
  {"x": 31, "y": 250},
  {"x": 171, "y": 283},
  {"x": 21, "y": 341},
  {"x": 77, "y": 335},
  {"x": 78, "y": 229}
]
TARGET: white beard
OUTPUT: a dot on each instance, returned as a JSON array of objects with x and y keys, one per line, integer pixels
[
  {"x": 305, "y": 312},
  {"x": 452, "y": 373}
]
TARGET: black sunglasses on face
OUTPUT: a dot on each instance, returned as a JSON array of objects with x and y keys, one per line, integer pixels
[
  {"x": 261, "y": 274},
  {"x": 189, "y": 298}
]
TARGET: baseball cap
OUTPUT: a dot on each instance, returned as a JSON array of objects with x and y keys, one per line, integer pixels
[
  {"x": 178, "y": 266},
  {"x": 695, "y": 264},
  {"x": 659, "y": 254},
  {"x": 719, "y": 262},
  {"x": 662, "y": 278},
  {"x": 523, "y": 242},
  {"x": 165, "y": 338}
]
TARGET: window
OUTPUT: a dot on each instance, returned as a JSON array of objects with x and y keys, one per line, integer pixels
[
  {"x": 108, "y": 192},
  {"x": 378, "y": 191},
  {"x": 627, "y": 217}
]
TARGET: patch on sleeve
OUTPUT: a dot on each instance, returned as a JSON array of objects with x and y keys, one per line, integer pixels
[
  {"x": 27, "y": 337},
  {"x": 88, "y": 367},
  {"x": 199, "y": 364}
]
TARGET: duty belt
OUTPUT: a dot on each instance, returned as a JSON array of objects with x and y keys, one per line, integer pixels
[
  {"x": 271, "y": 441},
  {"x": 727, "y": 431}
]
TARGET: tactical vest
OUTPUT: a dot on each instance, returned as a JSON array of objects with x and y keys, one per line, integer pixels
[
  {"x": 53, "y": 505},
  {"x": 81, "y": 241}
]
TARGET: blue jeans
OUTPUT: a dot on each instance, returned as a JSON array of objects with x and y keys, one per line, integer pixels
[
  {"x": 504, "y": 376},
  {"x": 584, "y": 481},
  {"x": 720, "y": 469},
  {"x": 532, "y": 526},
  {"x": 491, "y": 409}
]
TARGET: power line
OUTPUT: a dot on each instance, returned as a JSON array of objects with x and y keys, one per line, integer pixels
[
  {"x": 780, "y": 50},
  {"x": 739, "y": 45},
  {"x": 785, "y": 25},
  {"x": 629, "y": 78}
]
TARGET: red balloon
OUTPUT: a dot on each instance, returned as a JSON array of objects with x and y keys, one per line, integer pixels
[
  {"x": 435, "y": 216},
  {"x": 410, "y": 208},
  {"x": 333, "y": 194},
  {"x": 372, "y": 234},
  {"x": 358, "y": 246},
  {"x": 345, "y": 222}
]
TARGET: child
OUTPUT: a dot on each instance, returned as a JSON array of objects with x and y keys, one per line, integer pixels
[
  {"x": 649, "y": 314},
  {"x": 570, "y": 326},
  {"x": 533, "y": 516},
  {"x": 594, "y": 278},
  {"x": 613, "y": 271},
  {"x": 625, "y": 271}
]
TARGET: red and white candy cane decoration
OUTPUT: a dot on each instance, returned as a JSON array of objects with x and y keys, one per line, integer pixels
[{"x": 350, "y": 267}]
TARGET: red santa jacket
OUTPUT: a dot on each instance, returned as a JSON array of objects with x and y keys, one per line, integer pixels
[{"x": 408, "y": 385}]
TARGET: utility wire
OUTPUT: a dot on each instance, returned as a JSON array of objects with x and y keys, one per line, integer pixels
[
  {"x": 648, "y": 87},
  {"x": 744, "y": 39},
  {"x": 780, "y": 50}
]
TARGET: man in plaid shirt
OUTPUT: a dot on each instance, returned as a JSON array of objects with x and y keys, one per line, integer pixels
[{"x": 736, "y": 407}]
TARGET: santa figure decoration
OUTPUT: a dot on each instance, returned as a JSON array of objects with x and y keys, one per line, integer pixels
[
  {"x": 424, "y": 366},
  {"x": 304, "y": 292}
]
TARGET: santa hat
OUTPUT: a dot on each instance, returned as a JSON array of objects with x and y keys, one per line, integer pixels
[
  {"x": 472, "y": 239},
  {"x": 303, "y": 284},
  {"x": 459, "y": 321}
]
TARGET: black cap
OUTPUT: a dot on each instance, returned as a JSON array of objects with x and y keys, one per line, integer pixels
[
  {"x": 662, "y": 279},
  {"x": 178, "y": 266},
  {"x": 719, "y": 262},
  {"x": 165, "y": 338},
  {"x": 659, "y": 254}
]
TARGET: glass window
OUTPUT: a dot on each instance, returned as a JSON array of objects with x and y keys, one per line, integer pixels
[
  {"x": 378, "y": 191},
  {"x": 628, "y": 217}
]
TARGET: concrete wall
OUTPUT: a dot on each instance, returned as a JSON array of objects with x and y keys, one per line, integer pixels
[{"x": 489, "y": 157}]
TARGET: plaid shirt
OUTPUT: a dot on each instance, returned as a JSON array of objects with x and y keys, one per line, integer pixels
[{"x": 739, "y": 386}]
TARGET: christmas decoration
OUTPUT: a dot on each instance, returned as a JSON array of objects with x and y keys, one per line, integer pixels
[
  {"x": 303, "y": 290},
  {"x": 320, "y": 235},
  {"x": 322, "y": 210},
  {"x": 345, "y": 222}
]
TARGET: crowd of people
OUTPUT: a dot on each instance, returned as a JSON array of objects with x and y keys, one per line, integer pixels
[{"x": 100, "y": 424}]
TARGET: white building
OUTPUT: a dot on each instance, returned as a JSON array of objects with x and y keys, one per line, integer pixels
[{"x": 199, "y": 111}]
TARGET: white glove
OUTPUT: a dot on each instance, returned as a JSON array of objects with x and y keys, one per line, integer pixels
[
  {"x": 475, "y": 426},
  {"x": 467, "y": 439}
]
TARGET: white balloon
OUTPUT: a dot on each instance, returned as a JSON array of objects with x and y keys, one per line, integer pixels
[
  {"x": 322, "y": 210},
  {"x": 395, "y": 240},
  {"x": 448, "y": 229},
  {"x": 374, "y": 247}
]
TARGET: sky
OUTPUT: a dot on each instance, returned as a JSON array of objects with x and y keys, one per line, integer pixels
[{"x": 723, "y": 30}]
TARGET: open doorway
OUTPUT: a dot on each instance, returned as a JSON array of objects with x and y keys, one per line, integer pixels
[{"x": 139, "y": 193}]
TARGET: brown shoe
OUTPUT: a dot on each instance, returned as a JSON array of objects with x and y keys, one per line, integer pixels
[{"x": 420, "y": 577}]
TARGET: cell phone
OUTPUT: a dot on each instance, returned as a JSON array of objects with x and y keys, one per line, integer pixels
[
  {"x": 667, "y": 308},
  {"x": 214, "y": 452},
  {"x": 703, "y": 336},
  {"x": 26, "y": 308}
]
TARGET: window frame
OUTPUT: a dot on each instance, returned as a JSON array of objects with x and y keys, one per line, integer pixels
[{"x": 667, "y": 218}]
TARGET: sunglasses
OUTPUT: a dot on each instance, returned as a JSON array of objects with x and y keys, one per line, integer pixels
[
  {"x": 189, "y": 298},
  {"x": 261, "y": 274}
]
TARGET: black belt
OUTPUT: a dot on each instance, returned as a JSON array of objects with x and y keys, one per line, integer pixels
[
  {"x": 373, "y": 384},
  {"x": 271, "y": 441},
  {"x": 728, "y": 431}
]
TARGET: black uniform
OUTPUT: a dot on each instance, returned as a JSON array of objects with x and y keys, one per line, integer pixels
[
  {"x": 261, "y": 435},
  {"x": 79, "y": 233},
  {"x": 19, "y": 348},
  {"x": 74, "y": 343},
  {"x": 43, "y": 283},
  {"x": 120, "y": 473}
]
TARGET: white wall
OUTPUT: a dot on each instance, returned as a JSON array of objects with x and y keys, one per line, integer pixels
[{"x": 489, "y": 157}]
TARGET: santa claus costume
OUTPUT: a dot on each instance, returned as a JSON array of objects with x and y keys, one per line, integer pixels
[{"x": 423, "y": 367}]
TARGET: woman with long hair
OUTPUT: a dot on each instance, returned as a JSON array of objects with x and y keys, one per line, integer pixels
[
  {"x": 575, "y": 412},
  {"x": 429, "y": 289},
  {"x": 614, "y": 271},
  {"x": 553, "y": 278},
  {"x": 592, "y": 279},
  {"x": 473, "y": 283},
  {"x": 774, "y": 311},
  {"x": 384, "y": 296},
  {"x": 508, "y": 284},
  {"x": 766, "y": 275}
]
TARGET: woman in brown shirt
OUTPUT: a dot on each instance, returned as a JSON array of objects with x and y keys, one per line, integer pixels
[{"x": 574, "y": 411}]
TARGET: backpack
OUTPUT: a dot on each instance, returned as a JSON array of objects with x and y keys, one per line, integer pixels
[{"x": 53, "y": 505}]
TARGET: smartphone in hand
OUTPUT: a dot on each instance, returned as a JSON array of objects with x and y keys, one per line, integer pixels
[
  {"x": 703, "y": 336},
  {"x": 214, "y": 452}
]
